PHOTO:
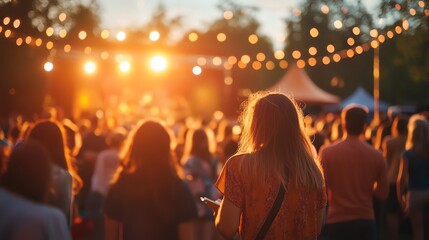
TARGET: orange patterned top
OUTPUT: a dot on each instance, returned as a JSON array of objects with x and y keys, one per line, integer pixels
[{"x": 299, "y": 214}]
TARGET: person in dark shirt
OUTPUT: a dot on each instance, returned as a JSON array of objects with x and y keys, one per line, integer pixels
[{"x": 147, "y": 197}]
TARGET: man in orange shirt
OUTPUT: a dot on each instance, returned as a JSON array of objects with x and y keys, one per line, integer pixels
[{"x": 355, "y": 172}]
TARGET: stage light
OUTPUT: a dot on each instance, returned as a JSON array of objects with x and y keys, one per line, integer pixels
[
  {"x": 120, "y": 36},
  {"x": 158, "y": 63},
  {"x": 90, "y": 67},
  {"x": 154, "y": 36},
  {"x": 48, "y": 66},
  {"x": 124, "y": 66},
  {"x": 196, "y": 70}
]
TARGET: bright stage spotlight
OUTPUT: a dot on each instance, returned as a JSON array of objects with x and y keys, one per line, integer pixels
[
  {"x": 90, "y": 67},
  {"x": 158, "y": 63},
  {"x": 48, "y": 66},
  {"x": 124, "y": 66}
]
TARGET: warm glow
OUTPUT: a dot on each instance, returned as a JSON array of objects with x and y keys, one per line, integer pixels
[
  {"x": 350, "y": 41},
  {"x": 232, "y": 60},
  {"x": 338, "y": 24},
  {"x": 7, "y": 33},
  {"x": 412, "y": 11},
  {"x": 356, "y": 31},
  {"x": 256, "y": 65},
  {"x": 38, "y": 42},
  {"x": 283, "y": 64},
  {"x": 158, "y": 63},
  {"x": 218, "y": 115},
  {"x": 193, "y": 37},
  {"x": 279, "y": 54},
  {"x": 196, "y": 70},
  {"x": 381, "y": 38},
  {"x": 121, "y": 36},
  {"x": 90, "y": 67},
  {"x": 421, "y": 4},
  {"x": 241, "y": 65},
  {"x": 326, "y": 60},
  {"x": 63, "y": 33},
  {"x": 253, "y": 39},
  {"x": 28, "y": 40},
  {"x": 373, "y": 33},
  {"x": 124, "y": 66},
  {"x": 87, "y": 50},
  {"x": 154, "y": 36},
  {"x": 228, "y": 15},
  {"x": 236, "y": 130},
  {"x": 48, "y": 66},
  {"x": 19, "y": 41},
  {"x": 228, "y": 80},
  {"x": 217, "y": 61},
  {"x": 312, "y": 51},
  {"x": 245, "y": 59},
  {"x": 350, "y": 53},
  {"x": 49, "y": 45},
  {"x": 312, "y": 62},
  {"x": 16, "y": 23},
  {"x": 336, "y": 57},
  {"x": 62, "y": 17},
  {"x": 49, "y": 31},
  {"x": 105, "y": 34},
  {"x": 1, "y": 29},
  {"x": 389, "y": 34},
  {"x": 67, "y": 48},
  {"x": 405, "y": 24},
  {"x": 374, "y": 44},
  {"x": 330, "y": 48},
  {"x": 300, "y": 63},
  {"x": 324, "y": 9},
  {"x": 227, "y": 66},
  {"x": 314, "y": 32},
  {"x": 82, "y": 35},
  {"x": 221, "y": 37},
  {"x": 398, "y": 29},
  {"x": 201, "y": 61},
  {"x": 270, "y": 65},
  {"x": 296, "y": 54},
  {"x": 260, "y": 56},
  {"x": 359, "y": 50},
  {"x": 104, "y": 55},
  {"x": 6, "y": 20}
]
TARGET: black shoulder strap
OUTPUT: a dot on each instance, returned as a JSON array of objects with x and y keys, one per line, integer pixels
[{"x": 272, "y": 214}]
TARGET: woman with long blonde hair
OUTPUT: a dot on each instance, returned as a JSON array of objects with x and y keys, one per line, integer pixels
[
  {"x": 274, "y": 153},
  {"x": 414, "y": 174}
]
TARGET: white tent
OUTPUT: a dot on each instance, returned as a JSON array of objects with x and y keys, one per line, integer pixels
[
  {"x": 362, "y": 97},
  {"x": 296, "y": 83}
]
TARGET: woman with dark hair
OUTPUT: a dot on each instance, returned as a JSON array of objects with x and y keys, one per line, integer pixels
[
  {"x": 23, "y": 191},
  {"x": 147, "y": 197},
  {"x": 200, "y": 169},
  {"x": 65, "y": 181},
  {"x": 275, "y": 168},
  {"x": 414, "y": 175}
]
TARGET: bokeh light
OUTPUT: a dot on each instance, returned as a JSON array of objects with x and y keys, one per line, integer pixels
[
  {"x": 124, "y": 66},
  {"x": 48, "y": 66},
  {"x": 154, "y": 36},
  {"x": 158, "y": 63},
  {"x": 121, "y": 36},
  {"x": 90, "y": 67},
  {"x": 196, "y": 70}
]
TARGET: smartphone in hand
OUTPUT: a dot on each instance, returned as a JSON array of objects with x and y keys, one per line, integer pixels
[{"x": 211, "y": 203}]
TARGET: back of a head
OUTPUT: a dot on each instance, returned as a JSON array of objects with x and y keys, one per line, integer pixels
[
  {"x": 400, "y": 125},
  {"x": 28, "y": 171},
  {"x": 354, "y": 118},
  {"x": 150, "y": 147},
  {"x": 418, "y": 139},
  {"x": 275, "y": 122},
  {"x": 50, "y": 134}
]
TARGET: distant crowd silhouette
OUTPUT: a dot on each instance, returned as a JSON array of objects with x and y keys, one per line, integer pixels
[{"x": 275, "y": 172}]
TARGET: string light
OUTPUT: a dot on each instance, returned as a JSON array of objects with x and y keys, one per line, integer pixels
[
  {"x": 253, "y": 39},
  {"x": 154, "y": 36},
  {"x": 221, "y": 37},
  {"x": 193, "y": 37}
]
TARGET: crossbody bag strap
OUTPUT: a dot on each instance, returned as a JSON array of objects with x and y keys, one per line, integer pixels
[{"x": 272, "y": 214}]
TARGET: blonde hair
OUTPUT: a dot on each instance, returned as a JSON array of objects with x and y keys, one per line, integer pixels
[
  {"x": 275, "y": 142},
  {"x": 418, "y": 135}
]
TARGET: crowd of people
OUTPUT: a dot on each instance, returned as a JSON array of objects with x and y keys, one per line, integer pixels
[{"x": 276, "y": 172}]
